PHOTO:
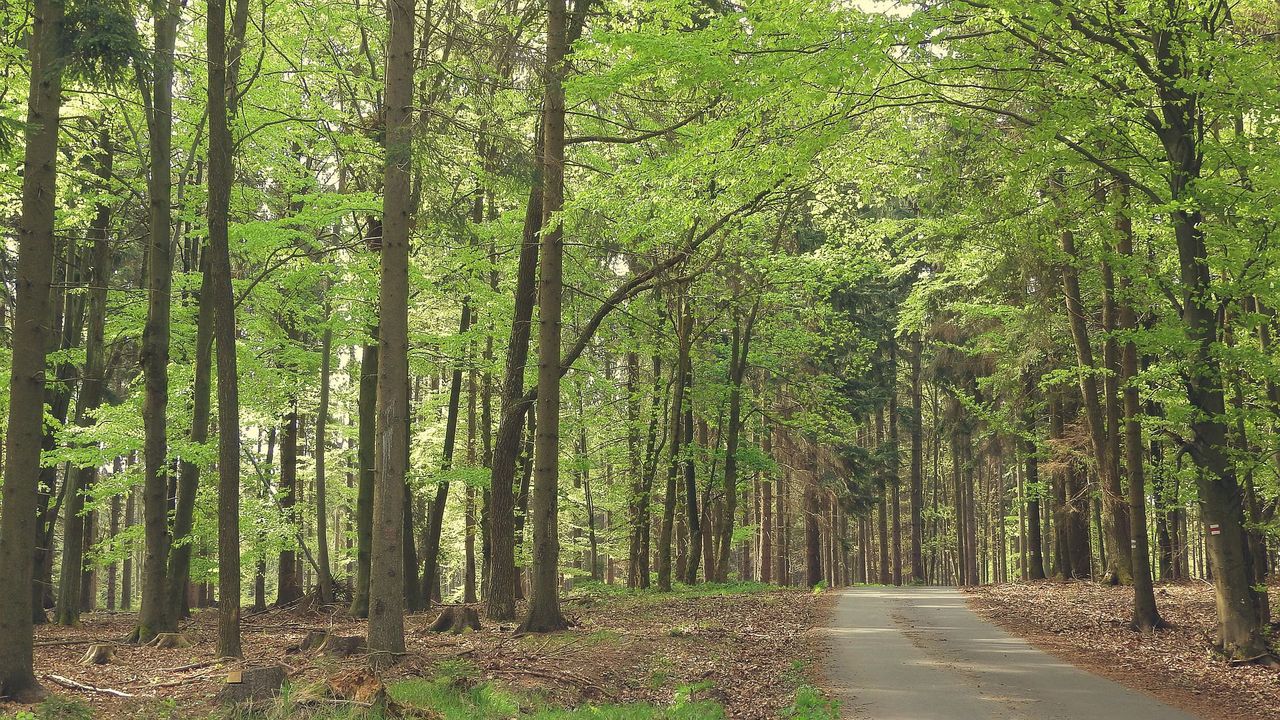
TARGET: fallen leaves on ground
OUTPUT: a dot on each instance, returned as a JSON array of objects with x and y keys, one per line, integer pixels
[
  {"x": 748, "y": 651},
  {"x": 1088, "y": 624}
]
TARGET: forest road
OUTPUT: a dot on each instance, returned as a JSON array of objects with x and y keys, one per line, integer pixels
[{"x": 921, "y": 654}]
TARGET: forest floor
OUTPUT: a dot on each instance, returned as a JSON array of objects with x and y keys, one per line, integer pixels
[
  {"x": 1086, "y": 623},
  {"x": 745, "y": 650}
]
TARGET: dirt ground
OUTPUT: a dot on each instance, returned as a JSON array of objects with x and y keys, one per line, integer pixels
[
  {"x": 1086, "y": 623},
  {"x": 749, "y": 651}
]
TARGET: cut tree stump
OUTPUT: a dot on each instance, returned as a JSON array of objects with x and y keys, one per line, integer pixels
[
  {"x": 169, "y": 641},
  {"x": 99, "y": 654},
  {"x": 312, "y": 641},
  {"x": 342, "y": 646},
  {"x": 252, "y": 685},
  {"x": 456, "y": 620},
  {"x": 359, "y": 685}
]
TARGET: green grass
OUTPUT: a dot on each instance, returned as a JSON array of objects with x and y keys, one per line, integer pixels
[{"x": 811, "y": 704}]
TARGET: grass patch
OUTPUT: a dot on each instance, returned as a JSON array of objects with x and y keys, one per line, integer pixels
[{"x": 811, "y": 704}]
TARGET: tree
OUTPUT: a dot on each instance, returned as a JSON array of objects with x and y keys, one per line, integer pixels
[{"x": 386, "y": 586}]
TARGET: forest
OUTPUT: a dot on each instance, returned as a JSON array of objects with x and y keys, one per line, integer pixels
[{"x": 390, "y": 310}]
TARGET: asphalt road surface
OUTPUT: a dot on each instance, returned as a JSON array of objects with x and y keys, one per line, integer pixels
[{"x": 921, "y": 654}]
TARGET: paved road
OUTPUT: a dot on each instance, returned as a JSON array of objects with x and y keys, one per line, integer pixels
[{"x": 921, "y": 654}]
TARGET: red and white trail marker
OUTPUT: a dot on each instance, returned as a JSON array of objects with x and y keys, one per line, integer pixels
[{"x": 1215, "y": 529}]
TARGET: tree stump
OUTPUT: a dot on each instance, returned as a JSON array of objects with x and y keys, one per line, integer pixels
[
  {"x": 342, "y": 646},
  {"x": 313, "y": 641},
  {"x": 252, "y": 685},
  {"x": 456, "y": 620},
  {"x": 359, "y": 685},
  {"x": 99, "y": 654},
  {"x": 169, "y": 641}
]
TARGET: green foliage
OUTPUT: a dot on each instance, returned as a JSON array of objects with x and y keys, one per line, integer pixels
[{"x": 100, "y": 42}]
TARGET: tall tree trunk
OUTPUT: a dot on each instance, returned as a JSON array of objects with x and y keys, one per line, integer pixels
[
  {"x": 1035, "y": 541},
  {"x": 289, "y": 580},
  {"x": 684, "y": 337},
  {"x": 917, "y": 499},
  {"x": 153, "y": 614},
  {"x": 431, "y": 549},
  {"x": 895, "y": 469},
  {"x": 126, "y": 567},
  {"x": 74, "y": 535},
  {"x": 224, "y": 66},
  {"x": 544, "y": 598},
  {"x": 189, "y": 471},
  {"x": 693, "y": 518},
  {"x": 635, "y": 469},
  {"x": 1145, "y": 616},
  {"x": 323, "y": 576},
  {"x": 812, "y": 539},
  {"x": 469, "y": 509},
  {"x": 766, "y": 515},
  {"x": 30, "y": 339},
  {"x": 503, "y": 584},
  {"x": 366, "y": 404},
  {"x": 386, "y": 582},
  {"x": 741, "y": 347},
  {"x": 1116, "y": 514}
]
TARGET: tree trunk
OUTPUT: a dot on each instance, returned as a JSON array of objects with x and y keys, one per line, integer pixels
[
  {"x": 153, "y": 615},
  {"x": 324, "y": 578},
  {"x": 386, "y": 582},
  {"x": 289, "y": 581},
  {"x": 469, "y": 509},
  {"x": 917, "y": 499},
  {"x": 431, "y": 549},
  {"x": 366, "y": 404},
  {"x": 693, "y": 518},
  {"x": 188, "y": 471},
  {"x": 665, "y": 537},
  {"x": 1031, "y": 479},
  {"x": 504, "y": 581},
  {"x": 741, "y": 347},
  {"x": 544, "y": 598},
  {"x": 30, "y": 339},
  {"x": 74, "y": 535},
  {"x": 1117, "y": 525},
  {"x": 895, "y": 503},
  {"x": 1145, "y": 616},
  {"x": 766, "y": 515},
  {"x": 812, "y": 539},
  {"x": 224, "y": 64}
]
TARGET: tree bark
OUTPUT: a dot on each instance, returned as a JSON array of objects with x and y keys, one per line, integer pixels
[
  {"x": 684, "y": 338},
  {"x": 367, "y": 410},
  {"x": 1145, "y": 616},
  {"x": 741, "y": 347},
  {"x": 289, "y": 580},
  {"x": 386, "y": 581},
  {"x": 74, "y": 523},
  {"x": 324, "y": 578},
  {"x": 544, "y": 598},
  {"x": 153, "y": 614},
  {"x": 1116, "y": 516},
  {"x": 431, "y": 549},
  {"x": 30, "y": 339},
  {"x": 223, "y": 76}
]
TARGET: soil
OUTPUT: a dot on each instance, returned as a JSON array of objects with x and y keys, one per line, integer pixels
[{"x": 747, "y": 651}]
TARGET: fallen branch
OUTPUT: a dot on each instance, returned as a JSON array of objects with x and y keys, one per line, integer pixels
[
  {"x": 69, "y": 683},
  {"x": 56, "y": 643}
]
